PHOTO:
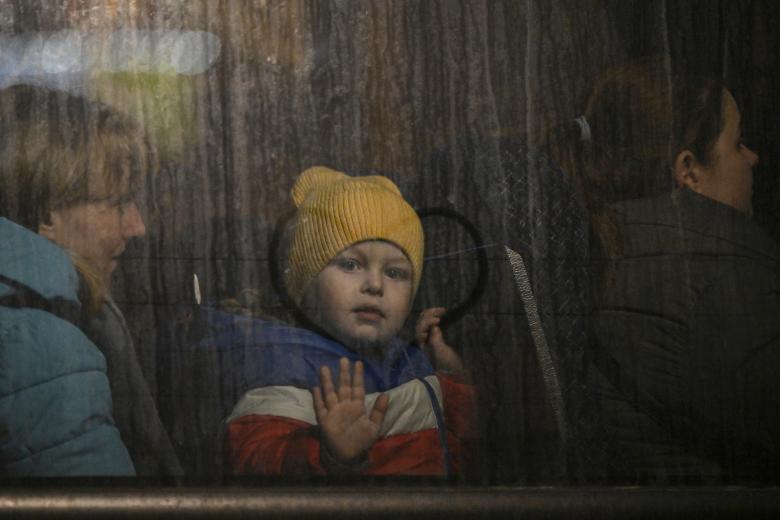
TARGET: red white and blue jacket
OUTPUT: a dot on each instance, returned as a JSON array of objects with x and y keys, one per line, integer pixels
[{"x": 273, "y": 430}]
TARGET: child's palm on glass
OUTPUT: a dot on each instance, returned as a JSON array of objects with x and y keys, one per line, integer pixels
[{"x": 347, "y": 430}]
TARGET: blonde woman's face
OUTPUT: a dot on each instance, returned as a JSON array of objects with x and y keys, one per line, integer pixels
[{"x": 96, "y": 231}]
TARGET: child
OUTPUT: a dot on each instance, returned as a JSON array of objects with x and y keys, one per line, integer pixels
[{"x": 354, "y": 266}]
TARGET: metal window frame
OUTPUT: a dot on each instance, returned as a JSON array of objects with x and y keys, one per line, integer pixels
[{"x": 346, "y": 502}]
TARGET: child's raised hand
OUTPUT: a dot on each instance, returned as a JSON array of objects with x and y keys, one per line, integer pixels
[
  {"x": 346, "y": 428},
  {"x": 431, "y": 339}
]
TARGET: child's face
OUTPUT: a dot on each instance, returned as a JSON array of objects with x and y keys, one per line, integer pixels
[{"x": 363, "y": 296}]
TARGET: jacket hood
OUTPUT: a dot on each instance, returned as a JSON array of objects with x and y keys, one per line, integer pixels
[{"x": 30, "y": 260}]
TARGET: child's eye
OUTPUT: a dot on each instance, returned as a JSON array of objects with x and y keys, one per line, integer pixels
[
  {"x": 347, "y": 264},
  {"x": 397, "y": 273}
]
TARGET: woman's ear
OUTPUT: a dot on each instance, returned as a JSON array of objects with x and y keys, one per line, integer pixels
[
  {"x": 46, "y": 227},
  {"x": 686, "y": 170}
]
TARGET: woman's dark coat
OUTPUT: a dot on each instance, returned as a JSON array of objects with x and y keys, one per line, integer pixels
[{"x": 687, "y": 343}]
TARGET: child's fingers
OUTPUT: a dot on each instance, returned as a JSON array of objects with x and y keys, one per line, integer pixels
[
  {"x": 421, "y": 335},
  {"x": 434, "y": 312},
  {"x": 425, "y": 323},
  {"x": 427, "y": 315},
  {"x": 319, "y": 405},
  {"x": 358, "y": 386},
  {"x": 428, "y": 318},
  {"x": 345, "y": 380},
  {"x": 445, "y": 356},
  {"x": 378, "y": 411},
  {"x": 436, "y": 339},
  {"x": 423, "y": 329},
  {"x": 437, "y": 343},
  {"x": 328, "y": 392}
]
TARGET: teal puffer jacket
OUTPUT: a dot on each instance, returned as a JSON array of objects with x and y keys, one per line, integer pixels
[{"x": 55, "y": 401}]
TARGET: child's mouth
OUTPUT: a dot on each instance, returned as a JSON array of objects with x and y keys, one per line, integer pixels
[{"x": 369, "y": 313}]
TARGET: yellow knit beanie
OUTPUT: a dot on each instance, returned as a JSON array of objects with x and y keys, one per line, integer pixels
[{"x": 336, "y": 211}]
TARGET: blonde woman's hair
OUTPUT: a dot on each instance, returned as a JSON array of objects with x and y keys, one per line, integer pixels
[{"x": 58, "y": 150}]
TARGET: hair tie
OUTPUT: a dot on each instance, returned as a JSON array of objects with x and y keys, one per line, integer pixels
[{"x": 585, "y": 134}]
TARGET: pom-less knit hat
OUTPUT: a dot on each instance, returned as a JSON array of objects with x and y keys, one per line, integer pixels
[{"x": 336, "y": 211}]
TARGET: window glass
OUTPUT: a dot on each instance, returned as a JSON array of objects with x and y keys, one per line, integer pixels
[{"x": 595, "y": 186}]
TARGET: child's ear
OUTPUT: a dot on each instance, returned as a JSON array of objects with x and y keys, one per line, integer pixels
[{"x": 687, "y": 171}]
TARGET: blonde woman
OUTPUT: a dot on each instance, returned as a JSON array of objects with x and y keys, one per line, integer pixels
[{"x": 69, "y": 172}]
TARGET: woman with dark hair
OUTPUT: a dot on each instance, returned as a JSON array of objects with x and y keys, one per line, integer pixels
[
  {"x": 69, "y": 173},
  {"x": 685, "y": 335}
]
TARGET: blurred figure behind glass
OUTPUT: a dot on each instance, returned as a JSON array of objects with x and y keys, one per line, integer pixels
[
  {"x": 71, "y": 170},
  {"x": 685, "y": 332}
]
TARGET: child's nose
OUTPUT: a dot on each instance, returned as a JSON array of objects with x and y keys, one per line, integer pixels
[{"x": 373, "y": 282}]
